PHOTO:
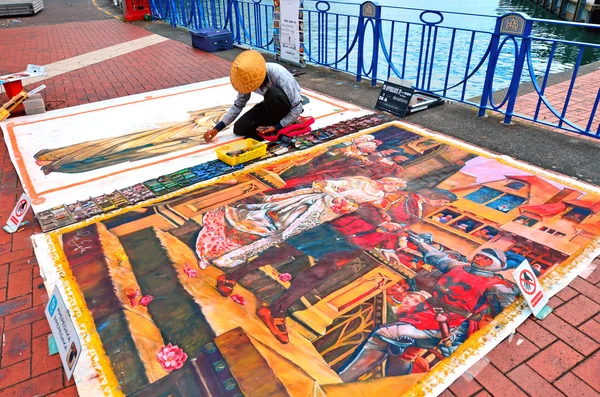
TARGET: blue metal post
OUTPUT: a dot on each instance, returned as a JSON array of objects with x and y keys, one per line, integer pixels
[
  {"x": 368, "y": 11},
  {"x": 213, "y": 12},
  {"x": 489, "y": 76},
  {"x": 513, "y": 90},
  {"x": 361, "y": 45},
  {"x": 376, "y": 39}
]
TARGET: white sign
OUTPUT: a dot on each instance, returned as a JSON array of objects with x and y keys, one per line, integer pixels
[
  {"x": 289, "y": 31},
  {"x": 36, "y": 90},
  {"x": 32, "y": 71},
  {"x": 18, "y": 213},
  {"x": 530, "y": 287},
  {"x": 67, "y": 341},
  {"x": 35, "y": 70}
]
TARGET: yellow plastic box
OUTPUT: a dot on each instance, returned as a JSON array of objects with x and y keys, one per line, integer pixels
[{"x": 255, "y": 149}]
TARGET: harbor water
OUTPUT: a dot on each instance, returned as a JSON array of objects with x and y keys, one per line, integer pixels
[{"x": 474, "y": 22}]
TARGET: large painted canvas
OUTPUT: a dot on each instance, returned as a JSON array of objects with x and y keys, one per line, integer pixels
[
  {"x": 89, "y": 150},
  {"x": 379, "y": 264}
]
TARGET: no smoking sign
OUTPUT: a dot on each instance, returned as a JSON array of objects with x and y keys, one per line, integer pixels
[
  {"x": 17, "y": 215},
  {"x": 530, "y": 287},
  {"x": 527, "y": 280}
]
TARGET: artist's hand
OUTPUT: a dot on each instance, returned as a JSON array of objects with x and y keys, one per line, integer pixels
[
  {"x": 210, "y": 134},
  {"x": 265, "y": 130}
]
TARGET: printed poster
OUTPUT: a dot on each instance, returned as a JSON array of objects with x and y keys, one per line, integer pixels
[{"x": 288, "y": 31}]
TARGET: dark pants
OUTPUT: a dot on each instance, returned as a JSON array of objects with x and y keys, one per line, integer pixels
[{"x": 265, "y": 114}]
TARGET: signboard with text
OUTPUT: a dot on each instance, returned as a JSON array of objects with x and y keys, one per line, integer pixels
[
  {"x": 67, "y": 340},
  {"x": 288, "y": 31},
  {"x": 394, "y": 98}
]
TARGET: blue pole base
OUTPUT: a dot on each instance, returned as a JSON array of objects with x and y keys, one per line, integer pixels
[{"x": 545, "y": 312}]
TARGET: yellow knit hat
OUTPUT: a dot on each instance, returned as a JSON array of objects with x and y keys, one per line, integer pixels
[{"x": 248, "y": 72}]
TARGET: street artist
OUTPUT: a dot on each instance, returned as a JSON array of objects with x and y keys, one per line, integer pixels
[{"x": 282, "y": 103}]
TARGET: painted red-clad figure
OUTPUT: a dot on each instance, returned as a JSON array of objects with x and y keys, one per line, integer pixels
[{"x": 464, "y": 291}]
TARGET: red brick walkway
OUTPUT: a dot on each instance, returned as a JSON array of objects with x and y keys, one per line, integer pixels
[
  {"x": 580, "y": 104},
  {"x": 558, "y": 356}
]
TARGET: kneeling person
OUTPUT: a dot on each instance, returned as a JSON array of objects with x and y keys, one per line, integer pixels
[{"x": 282, "y": 103}]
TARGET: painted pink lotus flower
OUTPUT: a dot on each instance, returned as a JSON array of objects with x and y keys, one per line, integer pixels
[
  {"x": 285, "y": 277},
  {"x": 239, "y": 299},
  {"x": 171, "y": 357},
  {"x": 191, "y": 273},
  {"x": 146, "y": 300}
]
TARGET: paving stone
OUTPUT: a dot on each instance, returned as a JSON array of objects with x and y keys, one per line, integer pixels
[
  {"x": 554, "y": 361},
  {"x": 72, "y": 392},
  {"x": 497, "y": 384},
  {"x": 24, "y": 317},
  {"x": 40, "y": 296},
  {"x": 19, "y": 283},
  {"x": 3, "y": 276},
  {"x": 533, "y": 384},
  {"x": 41, "y": 361},
  {"x": 536, "y": 334},
  {"x": 572, "y": 386},
  {"x": 566, "y": 332},
  {"x": 15, "y": 373},
  {"x": 15, "y": 255},
  {"x": 23, "y": 264},
  {"x": 17, "y": 346},
  {"x": 578, "y": 310},
  {"x": 586, "y": 288},
  {"x": 589, "y": 371},
  {"x": 39, "y": 386},
  {"x": 15, "y": 305},
  {"x": 555, "y": 302},
  {"x": 567, "y": 293},
  {"x": 40, "y": 327},
  {"x": 591, "y": 329},
  {"x": 508, "y": 355}
]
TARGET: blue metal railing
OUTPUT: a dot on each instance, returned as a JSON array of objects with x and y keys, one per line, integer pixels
[{"x": 459, "y": 56}]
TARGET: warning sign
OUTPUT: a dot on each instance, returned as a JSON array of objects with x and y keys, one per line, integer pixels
[
  {"x": 16, "y": 217},
  {"x": 530, "y": 287}
]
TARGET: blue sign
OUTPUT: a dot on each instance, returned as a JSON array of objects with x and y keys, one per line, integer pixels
[{"x": 52, "y": 305}]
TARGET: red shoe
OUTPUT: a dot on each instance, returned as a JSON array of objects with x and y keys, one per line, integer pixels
[
  {"x": 224, "y": 286},
  {"x": 275, "y": 324}
]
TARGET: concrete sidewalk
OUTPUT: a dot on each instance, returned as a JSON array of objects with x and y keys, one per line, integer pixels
[{"x": 558, "y": 356}]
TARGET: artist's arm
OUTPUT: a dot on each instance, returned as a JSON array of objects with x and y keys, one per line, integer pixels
[
  {"x": 499, "y": 297},
  {"x": 234, "y": 112},
  {"x": 290, "y": 86}
]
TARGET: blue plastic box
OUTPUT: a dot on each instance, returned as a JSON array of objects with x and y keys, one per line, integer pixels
[{"x": 212, "y": 39}]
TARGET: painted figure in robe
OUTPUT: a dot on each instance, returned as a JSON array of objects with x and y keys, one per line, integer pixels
[{"x": 92, "y": 155}]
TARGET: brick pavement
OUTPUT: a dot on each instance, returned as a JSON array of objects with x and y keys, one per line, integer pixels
[
  {"x": 580, "y": 104},
  {"x": 557, "y": 356}
]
